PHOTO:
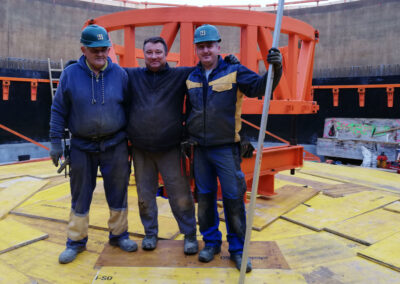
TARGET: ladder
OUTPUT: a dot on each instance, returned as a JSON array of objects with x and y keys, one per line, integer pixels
[{"x": 54, "y": 76}]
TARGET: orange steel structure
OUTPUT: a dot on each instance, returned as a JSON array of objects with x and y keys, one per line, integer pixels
[{"x": 293, "y": 94}]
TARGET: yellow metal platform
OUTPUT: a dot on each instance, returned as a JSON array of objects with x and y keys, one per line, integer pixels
[{"x": 327, "y": 223}]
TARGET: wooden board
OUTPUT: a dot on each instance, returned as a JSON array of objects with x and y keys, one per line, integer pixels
[
  {"x": 41, "y": 169},
  {"x": 169, "y": 253},
  {"x": 55, "y": 193},
  {"x": 313, "y": 250},
  {"x": 17, "y": 192},
  {"x": 17, "y": 235},
  {"x": 301, "y": 179},
  {"x": 323, "y": 211},
  {"x": 349, "y": 270},
  {"x": 368, "y": 228},
  {"x": 268, "y": 209},
  {"x": 385, "y": 252},
  {"x": 358, "y": 175},
  {"x": 39, "y": 262},
  {"x": 167, "y": 275},
  {"x": 10, "y": 275},
  {"x": 99, "y": 214},
  {"x": 344, "y": 189}
]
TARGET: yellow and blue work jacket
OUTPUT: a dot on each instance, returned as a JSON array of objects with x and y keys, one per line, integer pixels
[{"x": 215, "y": 105}]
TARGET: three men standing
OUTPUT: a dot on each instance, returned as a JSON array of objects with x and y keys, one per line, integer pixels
[{"x": 90, "y": 101}]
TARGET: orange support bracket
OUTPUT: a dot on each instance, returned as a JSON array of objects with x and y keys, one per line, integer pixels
[
  {"x": 34, "y": 85},
  {"x": 6, "y": 89},
  {"x": 361, "y": 97},
  {"x": 335, "y": 92},
  {"x": 390, "y": 92}
]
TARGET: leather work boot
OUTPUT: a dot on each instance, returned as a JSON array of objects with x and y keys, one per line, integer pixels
[
  {"x": 237, "y": 259},
  {"x": 69, "y": 254},
  {"x": 207, "y": 253},
  {"x": 124, "y": 244},
  {"x": 191, "y": 246},
  {"x": 149, "y": 242}
]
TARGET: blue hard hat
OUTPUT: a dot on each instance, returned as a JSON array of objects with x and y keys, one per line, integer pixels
[
  {"x": 206, "y": 33},
  {"x": 95, "y": 36}
]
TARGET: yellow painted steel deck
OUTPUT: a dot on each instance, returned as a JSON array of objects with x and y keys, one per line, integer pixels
[{"x": 342, "y": 226}]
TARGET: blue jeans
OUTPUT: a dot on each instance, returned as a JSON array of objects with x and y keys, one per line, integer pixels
[
  {"x": 115, "y": 169},
  {"x": 222, "y": 162}
]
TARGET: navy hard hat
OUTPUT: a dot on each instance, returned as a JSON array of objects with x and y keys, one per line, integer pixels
[
  {"x": 95, "y": 36},
  {"x": 206, "y": 33}
]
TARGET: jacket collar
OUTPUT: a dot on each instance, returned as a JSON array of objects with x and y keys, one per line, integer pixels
[{"x": 163, "y": 69}]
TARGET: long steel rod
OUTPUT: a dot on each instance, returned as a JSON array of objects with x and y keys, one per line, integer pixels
[{"x": 260, "y": 145}]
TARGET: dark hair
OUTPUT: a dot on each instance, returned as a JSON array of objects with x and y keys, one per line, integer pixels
[{"x": 156, "y": 39}]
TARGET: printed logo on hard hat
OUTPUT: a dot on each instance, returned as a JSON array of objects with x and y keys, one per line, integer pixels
[
  {"x": 202, "y": 32},
  {"x": 100, "y": 37}
]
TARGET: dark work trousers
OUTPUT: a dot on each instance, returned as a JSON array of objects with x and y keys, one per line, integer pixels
[
  {"x": 147, "y": 166},
  {"x": 115, "y": 169},
  {"x": 222, "y": 162}
]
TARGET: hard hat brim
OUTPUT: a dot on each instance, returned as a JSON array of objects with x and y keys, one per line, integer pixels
[{"x": 104, "y": 43}]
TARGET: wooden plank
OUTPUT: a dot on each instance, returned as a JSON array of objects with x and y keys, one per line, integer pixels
[
  {"x": 322, "y": 211},
  {"x": 99, "y": 214},
  {"x": 39, "y": 262},
  {"x": 303, "y": 179},
  {"x": 41, "y": 169},
  {"x": 344, "y": 189},
  {"x": 350, "y": 270},
  {"x": 54, "y": 193},
  {"x": 167, "y": 275},
  {"x": 10, "y": 275},
  {"x": 385, "y": 252},
  {"x": 17, "y": 235},
  {"x": 268, "y": 209},
  {"x": 368, "y": 228},
  {"x": 358, "y": 175},
  {"x": 169, "y": 253},
  {"x": 18, "y": 192},
  {"x": 313, "y": 249}
]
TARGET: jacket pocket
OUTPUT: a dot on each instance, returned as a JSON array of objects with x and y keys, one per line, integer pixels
[{"x": 222, "y": 87}]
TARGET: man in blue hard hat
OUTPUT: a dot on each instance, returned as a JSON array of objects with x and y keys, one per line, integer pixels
[
  {"x": 215, "y": 94},
  {"x": 90, "y": 101}
]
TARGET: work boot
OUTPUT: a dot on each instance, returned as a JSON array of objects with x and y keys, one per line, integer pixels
[
  {"x": 149, "y": 242},
  {"x": 191, "y": 246},
  {"x": 237, "y": 259},
  {"x": 69, "y": 254},
  {"x": 208, "y": 252},
  {"x": 124, "y": 244}
]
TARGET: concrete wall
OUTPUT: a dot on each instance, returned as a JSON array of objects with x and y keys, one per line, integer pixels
[{"x": 363, "y": 33}]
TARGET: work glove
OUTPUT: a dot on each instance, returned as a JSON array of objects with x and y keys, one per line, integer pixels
[
  {"x": 56, "y": 152},
  {"x": 246, "y": 149},
  {"x": 274, "y": 57},
  {"x": 231, "y": 59}
]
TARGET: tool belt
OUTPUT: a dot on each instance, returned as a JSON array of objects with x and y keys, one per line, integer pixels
[{"x": 187, "y": 158}]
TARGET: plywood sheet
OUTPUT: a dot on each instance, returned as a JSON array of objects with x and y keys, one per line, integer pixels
[
  {"x": 308, "y": 180},
  {"x": 17, "y": 235},
  {"x": 169, "y": 253},
  {"x": 268, "y": 209},
  {"x": 344, "y": 189},
  {"x": 368, "y": 228},
  {"x": 17, "y": 192},
  {"x": 280, "y": 229},
  {"x": 313, "y": 249},
  {"x": 358, "y": 175},
  {"x": 55, "y": 193},
  {"x": 41, "y": 169},
  {"x": 385, "y": 252},
  {"x": 39, "y": 262},
  {"x": 323, "y": 211},
  {"x": 11, "y": 275},
  {"x": 167, "y": 275},
  {"x": 99, "y": 214},
  {"x": 351, "y": 270}
]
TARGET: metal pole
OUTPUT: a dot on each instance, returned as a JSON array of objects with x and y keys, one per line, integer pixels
[{"x": 260, "y": 145}]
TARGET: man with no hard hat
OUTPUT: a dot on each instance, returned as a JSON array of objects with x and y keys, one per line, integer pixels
[
  {"x": 90, "y": 102},
  {"x": 215, "y": 92}
]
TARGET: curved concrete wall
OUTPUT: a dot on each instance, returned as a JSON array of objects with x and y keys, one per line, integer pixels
[{"x": 363, "y": 33}]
